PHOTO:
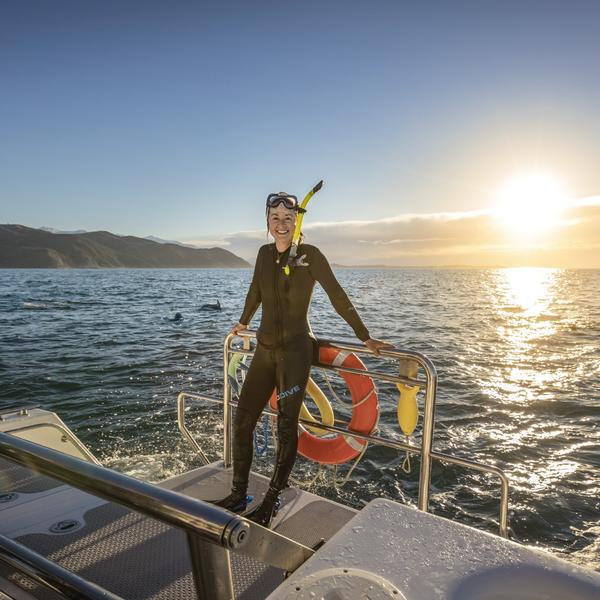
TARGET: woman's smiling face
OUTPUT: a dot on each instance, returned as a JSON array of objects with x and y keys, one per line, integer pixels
[{"x": 281, "y": 222}]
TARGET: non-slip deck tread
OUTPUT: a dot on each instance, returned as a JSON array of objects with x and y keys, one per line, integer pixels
[
  {"x": 137, "y": 557},
  {"x": 140, "y": 558},
  {"x": 17, "y": 479},
  {"x": 315, "y": 521},
  {"x": 211, "y": 484}
]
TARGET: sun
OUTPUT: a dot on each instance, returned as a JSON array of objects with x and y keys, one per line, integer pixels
[{"x": 531, "y": 203}]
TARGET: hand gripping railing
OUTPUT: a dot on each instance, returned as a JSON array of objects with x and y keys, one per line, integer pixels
[
  {"x": 211, "y": 531},
  {"x": 425, "y": 450}
]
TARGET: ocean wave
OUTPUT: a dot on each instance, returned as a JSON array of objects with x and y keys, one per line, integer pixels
[
  {"x": 34, "y": 306},
  {"x": 518, "y": 382}
]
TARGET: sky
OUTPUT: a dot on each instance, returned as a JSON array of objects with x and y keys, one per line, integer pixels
[{"x": 176, "y": 119}]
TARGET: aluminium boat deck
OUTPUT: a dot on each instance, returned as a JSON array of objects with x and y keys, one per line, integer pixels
[{"x": 134, "y": 556}]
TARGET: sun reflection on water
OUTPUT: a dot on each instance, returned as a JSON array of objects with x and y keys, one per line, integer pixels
[
  {"x": 543, "y": 478},
  {"x": 525, "y": 298},
  {"x": 524, "y": 301},
  {"x": 529, "y": 288},
  {"x": 530, "y": 364}
]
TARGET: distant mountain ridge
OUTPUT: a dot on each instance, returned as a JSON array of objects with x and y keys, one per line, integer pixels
[
  {"x": 26, "y": 247},
  {"x": 52, "y": 230},
  {"x": 158, "y": 240},
  {"x": 152, "y": 238}
]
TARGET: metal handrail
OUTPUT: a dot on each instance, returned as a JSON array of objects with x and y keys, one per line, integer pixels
[
  {"x": 378, "y": 441},
  {"x": 211, "y": 523},
  {"x": 425, "y": 450},
  {"x": 429, "y": 402},
  {"x": 186, "y": 433},
  {"x": 211, "y": 530},
  {"x": 49, "y": 574}
]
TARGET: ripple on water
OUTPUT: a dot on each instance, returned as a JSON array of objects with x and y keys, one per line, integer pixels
[{"x": 517, "y": 353}]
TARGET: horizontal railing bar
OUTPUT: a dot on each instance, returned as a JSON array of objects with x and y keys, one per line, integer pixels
[
  {"x": 364, "y": 372},
  {"x": 371, "y": 438},
  {"x": 330, "y": 428},
  {"x": 396, "y": 445},
  {"x": 209, "y": 522},
  {"x": 375, "y": 375},
  {"x": 50, "y": 575},
  {"x": 504, "y": 484},
  {"x": 360, "y": 348}
]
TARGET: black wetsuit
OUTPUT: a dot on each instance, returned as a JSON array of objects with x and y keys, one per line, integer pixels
[{"x": 285, "y": 350}]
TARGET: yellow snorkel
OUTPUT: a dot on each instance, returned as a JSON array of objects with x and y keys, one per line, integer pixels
[{"x": 296, "y": 237}]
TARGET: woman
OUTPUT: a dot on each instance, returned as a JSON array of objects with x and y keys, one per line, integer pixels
[{"x": 285, "y": 350}]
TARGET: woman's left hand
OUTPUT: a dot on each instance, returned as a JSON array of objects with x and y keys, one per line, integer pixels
[{"x": 376, "y": 345}]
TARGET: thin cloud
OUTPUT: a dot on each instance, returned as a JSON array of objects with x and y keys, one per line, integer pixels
[
  {"x": 208, "y": 243},
  {"x": 449, "y": 238}
]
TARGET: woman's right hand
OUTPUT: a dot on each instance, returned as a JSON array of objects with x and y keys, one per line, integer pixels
[
  {"x": 375, "y": 346},
  {"x": 238, "y": 327}
]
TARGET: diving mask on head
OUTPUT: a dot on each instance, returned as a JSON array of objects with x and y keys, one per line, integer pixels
[{"x": 288, "y": 200}]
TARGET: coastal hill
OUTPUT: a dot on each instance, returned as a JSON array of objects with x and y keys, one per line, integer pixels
[{"x": 24, "y": 247}]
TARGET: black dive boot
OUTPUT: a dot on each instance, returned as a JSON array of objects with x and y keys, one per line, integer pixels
[
  {"x": 236, "y": 501},
  {"x": 243, "y": 425},
  {"x": 269, "y": 507},
  {"x": 287, "y": 433}
]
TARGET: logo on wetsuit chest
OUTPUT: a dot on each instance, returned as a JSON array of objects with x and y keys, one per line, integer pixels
[
  {"x": 287, "y": 393},
  {"x": 301, "y": 262}
]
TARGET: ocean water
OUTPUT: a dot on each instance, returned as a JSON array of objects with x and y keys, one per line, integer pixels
[{"x": 517, "y": 353}]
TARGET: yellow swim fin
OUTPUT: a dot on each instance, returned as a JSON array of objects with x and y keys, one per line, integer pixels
[{"x": 323, "y": 404}]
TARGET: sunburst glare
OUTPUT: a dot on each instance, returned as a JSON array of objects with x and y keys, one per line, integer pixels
[{"x": 531, "y": 204}]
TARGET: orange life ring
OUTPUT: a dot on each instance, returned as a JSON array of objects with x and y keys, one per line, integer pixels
[{"x": 338, "y": 448}]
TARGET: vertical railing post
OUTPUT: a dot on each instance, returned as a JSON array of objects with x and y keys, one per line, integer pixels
[
  {"x": 427, "y": 436},
  {"x": 211, "y": 568},
  {"x": 227, "y": 416},
  {"x": 227, "y": 413}
]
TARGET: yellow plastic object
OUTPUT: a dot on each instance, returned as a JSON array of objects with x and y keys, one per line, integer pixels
[
  {"x": 298, "y": 228},
  {"x": 320, "y": 399},
  {"x": 300, "y": 218},
  {"x": 234, "y": 363},
  {"x": 237, "y": 362},
  {"x": 408, "y": 411}
]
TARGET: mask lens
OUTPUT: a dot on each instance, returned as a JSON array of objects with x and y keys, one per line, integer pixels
[{"x": 289, "y": 201}]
